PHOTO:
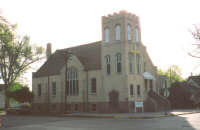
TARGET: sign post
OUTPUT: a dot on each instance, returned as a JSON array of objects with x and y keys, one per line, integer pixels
[{"x": 139, "y": 104}]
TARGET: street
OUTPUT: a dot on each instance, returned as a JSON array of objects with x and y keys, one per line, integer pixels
[{"x": 184, "y": 122}]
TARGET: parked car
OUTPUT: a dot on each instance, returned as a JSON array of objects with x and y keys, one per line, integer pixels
[{"x": 19, "y": 110}]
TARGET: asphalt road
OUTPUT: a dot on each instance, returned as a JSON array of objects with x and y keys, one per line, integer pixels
[{"x": 184, "y": 122}]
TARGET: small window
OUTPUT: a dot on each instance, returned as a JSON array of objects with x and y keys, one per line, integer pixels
[
  {"x": 39, "y": 90},
  {"x": 138, "y": 63},
  {"x": 151, "y": 84},
  {"x": 129, "y": 32},
  {"x": 131, "y": 64},
  {"x": 77, "y": 88},
  {"x": 108, "y": 64},
  {"x": 118, "y": 63},
  {"x": 54, "y": 88},
  {"x": 93, "y": 84},
  {"x": 117, "y": 32},
  {"x": 145, "y": 83},
  {"x": 131, "y": 90},
  {"x": 106, "y": 35},
  {"x": 138, "y": 90},
  {"x": 94, "y": 107}
]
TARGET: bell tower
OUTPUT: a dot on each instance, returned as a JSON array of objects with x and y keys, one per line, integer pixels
[{"x": 120, "y": 33}]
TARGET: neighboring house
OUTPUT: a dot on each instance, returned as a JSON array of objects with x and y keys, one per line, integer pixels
[
  {"x": 194, "y": 83},
  {"x": 164, "y": 85},
  {"x": 112, "y": 75},
  {"x": 2, "y": 97}
]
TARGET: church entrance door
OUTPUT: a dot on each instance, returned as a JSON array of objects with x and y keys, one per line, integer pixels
[{"x": 114, "y": 101}]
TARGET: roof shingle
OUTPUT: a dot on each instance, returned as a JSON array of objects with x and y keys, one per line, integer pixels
[{"x": 88, "y": 54}]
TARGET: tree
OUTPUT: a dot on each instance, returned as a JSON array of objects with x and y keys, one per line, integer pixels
[
  {"x": 195, "y": 52},
  {"x": 21, "y": 93},
  {"x": 16, "y": 55},
  {"x": 173, "y": 73},
  {"x": 180, "y": 96}
]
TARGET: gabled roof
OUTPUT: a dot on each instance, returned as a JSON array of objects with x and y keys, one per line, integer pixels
[
  {"x": 88, "y": 54},
  {"x": 195, "y": 80}
]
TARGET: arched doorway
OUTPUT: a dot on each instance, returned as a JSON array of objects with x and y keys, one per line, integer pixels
[{"x": 114, "y": 101}]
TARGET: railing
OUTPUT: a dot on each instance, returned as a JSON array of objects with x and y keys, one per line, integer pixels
[{"x": 162, "y": 102}]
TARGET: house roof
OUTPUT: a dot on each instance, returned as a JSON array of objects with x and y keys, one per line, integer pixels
[
  {"x": 88, "y": 54},
  {"x": 196, "y": 80}
]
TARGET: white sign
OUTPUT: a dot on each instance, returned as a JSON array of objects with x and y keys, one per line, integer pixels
[{"x": 138, "y": 104}]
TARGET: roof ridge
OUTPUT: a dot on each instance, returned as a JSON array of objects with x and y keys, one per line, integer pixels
[{"x": 78, "y": 46}]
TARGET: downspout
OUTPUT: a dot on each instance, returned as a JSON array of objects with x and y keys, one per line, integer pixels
[
  {"x": 87, "y": 107},
  {"x": 48, "y": 99},
  {"x": 66, "y": 88}
]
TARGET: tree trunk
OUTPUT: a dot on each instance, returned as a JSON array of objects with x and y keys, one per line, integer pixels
[{"x": 7, "y": 103}]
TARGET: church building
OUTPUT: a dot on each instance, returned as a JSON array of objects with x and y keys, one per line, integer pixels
[{"x": 115, "y": 74}]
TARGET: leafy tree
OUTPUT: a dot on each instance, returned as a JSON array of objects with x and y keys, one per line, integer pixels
[
  {"x": 173, "y": 73},
  {"x": 15, "y": 86},
  {"x": 180, "y": 96},
  {"x": 16, "y": 55},
  {"x": 21, "y": 94}
]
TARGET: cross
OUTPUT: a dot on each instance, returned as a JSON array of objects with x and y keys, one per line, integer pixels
[{"x": 135, "y": 51}]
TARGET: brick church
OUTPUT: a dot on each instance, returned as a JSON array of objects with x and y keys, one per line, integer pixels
[{"x": 112, "y": 75}]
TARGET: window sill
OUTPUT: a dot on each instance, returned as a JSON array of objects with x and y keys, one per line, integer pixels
[
  {"x": 72, "y": 95},
  {"x": 131, "y": 73},
  {"x": 130, "y": 41},
  {"x": 119, "y": 73},
  {"x": 94, "y": 94}
]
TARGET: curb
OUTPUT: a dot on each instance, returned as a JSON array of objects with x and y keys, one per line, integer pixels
[{"x": 129, "y": 117}]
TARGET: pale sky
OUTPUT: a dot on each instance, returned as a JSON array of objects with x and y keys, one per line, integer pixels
[{"x": 67, "y": 23}]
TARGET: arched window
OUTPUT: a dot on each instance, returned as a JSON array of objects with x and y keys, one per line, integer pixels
[
  {"x": 106, "y": 35},
  {"x": 136, "y": 34},
  {"x": 72, "y": 87},
  {"x": 131, "y": 90},
  {"x": 93, "y": 85},
  {"x": 131, "y": 62},
  {"x": 138, "y": 90},
  {"x": 117, "y": 32},
  {"x": 129, "y": 31},
  {"x": 138, "y": 60},
  {"x": 107, "y": 64},
  {"x": 118, "y": 63}
]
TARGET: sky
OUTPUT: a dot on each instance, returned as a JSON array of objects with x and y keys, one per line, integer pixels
[{"x": 165, "y": 25}]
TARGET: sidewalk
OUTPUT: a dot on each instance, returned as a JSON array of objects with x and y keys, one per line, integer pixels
[{"x": 146, "y": 115}]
